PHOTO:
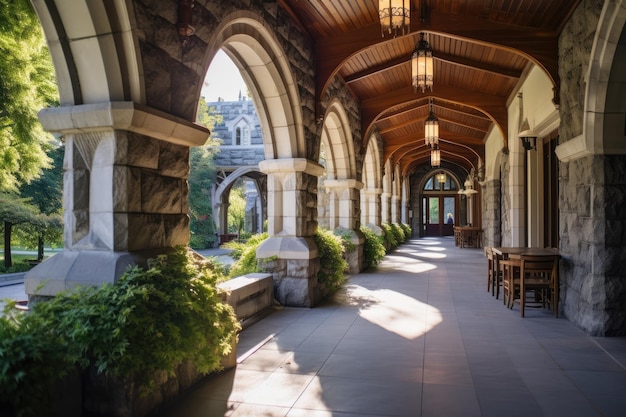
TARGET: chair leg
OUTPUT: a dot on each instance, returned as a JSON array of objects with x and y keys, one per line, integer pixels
[{"x": 522, "y": 300}]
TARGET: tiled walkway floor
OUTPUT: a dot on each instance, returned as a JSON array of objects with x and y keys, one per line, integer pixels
[{"x": 418, "y": 337}]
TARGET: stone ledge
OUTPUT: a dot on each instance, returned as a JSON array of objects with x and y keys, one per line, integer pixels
[{"x": 248, "y": 295}]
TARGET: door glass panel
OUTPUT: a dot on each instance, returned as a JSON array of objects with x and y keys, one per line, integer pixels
[
  {"x": 433, "y": 215},
  {"x": 448, "y": 208}
]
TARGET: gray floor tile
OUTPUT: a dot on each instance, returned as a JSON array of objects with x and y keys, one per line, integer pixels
[{"x": 419, "y": 336}]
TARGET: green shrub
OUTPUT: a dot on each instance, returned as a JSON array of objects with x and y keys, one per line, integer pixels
[
  {"x": 19, "y": 266},
  {"x": 373, "y": 248},
  {"x": 346, "y": 241},
  {"x": 332, "y": 264},
  {"x": 150, "y": 320},
  {"x": 389, "y": 237},
  {"x": 398, "y": 233},
  {"x": 407, "y": 230},
  {"x": 244, "y": 254}
]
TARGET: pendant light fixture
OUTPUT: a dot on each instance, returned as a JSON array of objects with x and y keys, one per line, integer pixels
[
  {"x": 435, "y": 157},
  {"x": 422, "y": 66},
  {"x": 395, "y": 16},
  {"x": 431, "y": 127}
]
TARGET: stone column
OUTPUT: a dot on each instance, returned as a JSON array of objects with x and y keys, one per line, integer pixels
[
  {"x": 385, "y": 202},
  {"x": 372, "y": 198},
  {"x": 125, "y": 191},
  {"x": 492, "y": 221},
  {"x": 290, "y": 252},
  {"x": 347, "y": 194},
  {"x": 395, "y": 209}
]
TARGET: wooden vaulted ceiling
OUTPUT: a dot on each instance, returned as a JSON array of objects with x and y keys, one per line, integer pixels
[{"x": 481, "y": 49}]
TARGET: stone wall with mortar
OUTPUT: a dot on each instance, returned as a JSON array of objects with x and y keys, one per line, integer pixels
[
  {"x": 592, "y": 191},
  {"x": 175, "y": 71}
]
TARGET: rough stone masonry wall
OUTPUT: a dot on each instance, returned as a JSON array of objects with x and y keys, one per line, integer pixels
[
  {"x": 174, "y": 71},
  {"x": 591, "y": 194},
  {"x": 491, "y": 213}
]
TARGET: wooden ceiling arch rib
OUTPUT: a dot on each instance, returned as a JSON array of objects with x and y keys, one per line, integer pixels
[{"x": 481, "y": 50}]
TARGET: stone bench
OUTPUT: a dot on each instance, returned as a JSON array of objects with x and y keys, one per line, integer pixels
[{"x": 249, "y": 294}]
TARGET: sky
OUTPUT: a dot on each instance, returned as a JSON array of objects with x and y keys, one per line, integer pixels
[{"x": 223, "y": 80}]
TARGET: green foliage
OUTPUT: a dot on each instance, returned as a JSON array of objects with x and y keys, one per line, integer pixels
[
  {"x": 244, "y": 254},
  {"x": 346, "y": 240},
  {"x": 373, "y": 248},
  {"x": 201, "y": 179},
  {"x": 150, "y": 320},
  {"x": 398, "y": 233},
  {"x": 13, "y": 211},
  {"x": 17, "y": 266},
  {"x": 389, "y": 237},
  {"x": 236, "y": 208},
  {"x": 46, "y": 192},
  {"x": 27, "y": 84},
  {"x": 332, "y": 263},
  {"x": 407, "y": 230}
]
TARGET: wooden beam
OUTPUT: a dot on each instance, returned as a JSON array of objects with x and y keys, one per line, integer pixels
[
  {"x": 535, "y": 44},
  {"x": 492, "y": 106}
]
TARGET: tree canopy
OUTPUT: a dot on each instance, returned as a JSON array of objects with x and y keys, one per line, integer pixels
[
  {"x": 201, "y": 179},
  {"x": 27, "y": 84}
]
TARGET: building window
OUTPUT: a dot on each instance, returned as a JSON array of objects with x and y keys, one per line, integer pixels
[
  {"x": 238, "y": 136},
  {"x": 245, "y": 136}
]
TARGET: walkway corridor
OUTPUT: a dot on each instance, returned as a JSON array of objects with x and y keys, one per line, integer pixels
[{"x": 419, "y": 337}]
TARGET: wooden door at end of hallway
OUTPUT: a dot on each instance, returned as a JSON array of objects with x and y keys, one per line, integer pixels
[{"x": 439, "y": 215}]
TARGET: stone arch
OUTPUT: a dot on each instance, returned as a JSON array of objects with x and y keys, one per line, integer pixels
[
  {"x": 249, "y": 42},
  {"x": 337, "y": 137},
  {"x": 222, "y": 193},
  {"x": 603, "y": 107},
  {"x": 97, "y": 60}
]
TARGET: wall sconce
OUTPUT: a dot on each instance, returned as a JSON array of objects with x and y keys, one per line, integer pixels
[{"x": 527, "y": 136}]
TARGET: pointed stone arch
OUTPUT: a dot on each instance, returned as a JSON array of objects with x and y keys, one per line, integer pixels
[{"x": 247, "y": 40}]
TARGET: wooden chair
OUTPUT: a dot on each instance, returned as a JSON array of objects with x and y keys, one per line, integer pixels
[
  {"x": 494, "y": 272},
  {"x": 510, "y": 280},
  {"x": 540, "y": 273}
]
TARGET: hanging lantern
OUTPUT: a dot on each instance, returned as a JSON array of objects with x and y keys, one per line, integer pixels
[
  {"x": 422, "y": 66},
  {"x": 431, "y": 128},
  {"x": 441, "y": 178},
  {"x": 395, "y": 16},
  {"x": 435, "y": 157}
]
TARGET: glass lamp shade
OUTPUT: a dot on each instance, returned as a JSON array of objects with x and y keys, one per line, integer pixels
[
  {"x": 435, "y": 157},
  {"x": 422, "y": 66},
  {"x": 395, "y": 16},
  {"x": 431, "y": 130}
]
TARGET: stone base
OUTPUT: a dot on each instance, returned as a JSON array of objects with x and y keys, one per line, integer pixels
[
  {"x": 294, "y": 263},
  {"x": 69, "y": 269}
]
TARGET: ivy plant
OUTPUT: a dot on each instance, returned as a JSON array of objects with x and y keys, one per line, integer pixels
[{"x": 150, "y": 320}]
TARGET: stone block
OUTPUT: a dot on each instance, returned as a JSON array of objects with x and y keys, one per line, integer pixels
[
  {"x": 160, "y": 194},
  {"x": 248, "y": 295}
]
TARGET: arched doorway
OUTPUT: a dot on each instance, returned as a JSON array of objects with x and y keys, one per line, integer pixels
[{"x": 440, "y": 204}]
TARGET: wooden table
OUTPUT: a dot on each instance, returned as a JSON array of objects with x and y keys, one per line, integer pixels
[
  {"x": 515, "y": 252},
  {"x": 468, "y": 236}
]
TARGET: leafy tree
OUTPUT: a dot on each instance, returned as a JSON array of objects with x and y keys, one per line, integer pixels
[
  {"x": 27, "y": 84},
  {"x": 46, "y": 193},
  {"x": 13, "y": 211},
  {"x": 236, "y": 209},
  {"x": 201, "y": 180}
]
